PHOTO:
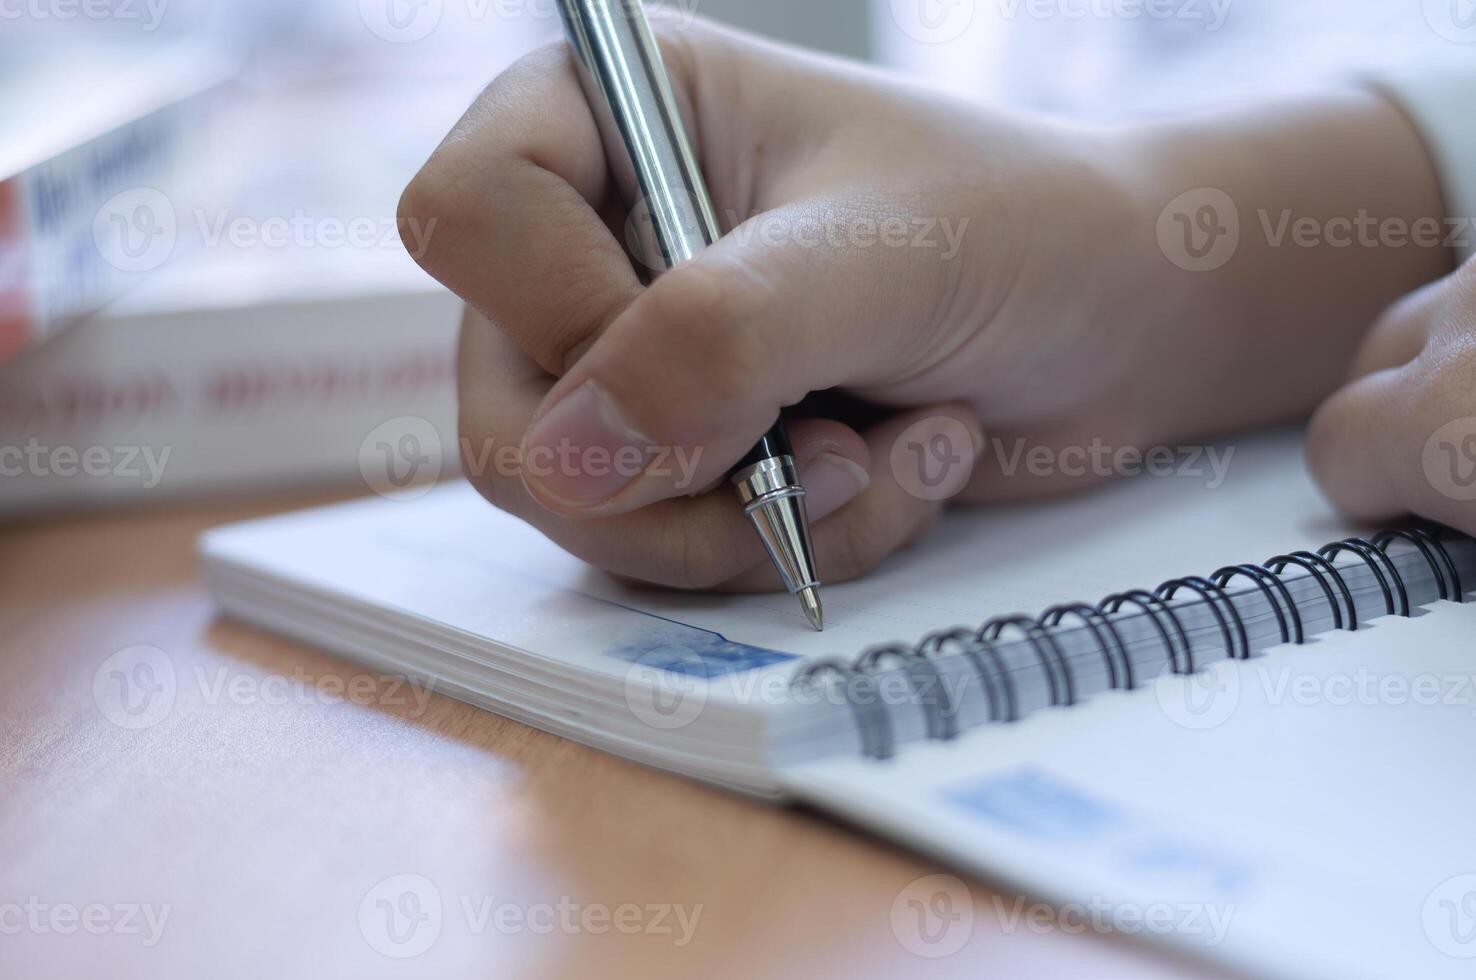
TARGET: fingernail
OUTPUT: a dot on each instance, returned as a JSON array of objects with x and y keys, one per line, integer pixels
[
  {"x": 831, "y": 481},
  {"x": 583, "y": 451}
]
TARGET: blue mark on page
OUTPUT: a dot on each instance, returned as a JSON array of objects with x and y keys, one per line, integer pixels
[
  {"x": 1035, "y": 804},
  {"x": 690, "y": 651}
]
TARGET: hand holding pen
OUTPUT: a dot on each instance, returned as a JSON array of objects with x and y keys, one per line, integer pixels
[{"x": 934, "y": 259}]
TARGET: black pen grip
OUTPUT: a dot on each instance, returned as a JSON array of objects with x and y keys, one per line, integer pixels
[{"x": 775, "y": 443}]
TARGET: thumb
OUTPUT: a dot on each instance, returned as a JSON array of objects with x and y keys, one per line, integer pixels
[
  {"x": 1366, "y": 443},
  {"x": 704, "y": 360},
  {"x": 1359, "y": 447}
]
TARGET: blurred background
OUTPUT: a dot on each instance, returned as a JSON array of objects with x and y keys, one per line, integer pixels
[{"x": 202, "y": 287}]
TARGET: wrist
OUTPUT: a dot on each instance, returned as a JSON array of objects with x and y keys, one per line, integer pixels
[{"x": 1266, "y": 243}]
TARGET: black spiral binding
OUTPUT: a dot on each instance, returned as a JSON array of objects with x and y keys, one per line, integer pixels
[{"x": 980, "y": 647}]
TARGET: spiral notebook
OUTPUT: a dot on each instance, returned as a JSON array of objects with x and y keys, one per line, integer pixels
[{"x": 1198, "y": 762}]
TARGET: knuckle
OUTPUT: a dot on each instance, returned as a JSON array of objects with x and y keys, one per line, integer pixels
[
  {"x": 437, "y": 197},
  {"x": 704, "y": 314},
  {"x": 463, "y": 173},
  {"x": 504, "y": 100}
]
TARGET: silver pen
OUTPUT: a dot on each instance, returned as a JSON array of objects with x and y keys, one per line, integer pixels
[{"x": 652, "y": 162}]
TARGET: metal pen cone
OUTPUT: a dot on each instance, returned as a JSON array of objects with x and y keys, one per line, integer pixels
[
  {"x": 775, "y": 502},
  {"x": 810, "y": 599},
  {"x": 784, "y": 528}
]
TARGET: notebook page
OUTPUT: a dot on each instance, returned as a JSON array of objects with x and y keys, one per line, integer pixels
[
  {"x": 1303, "y": 814},
  {"x": 451, "y": 558}
]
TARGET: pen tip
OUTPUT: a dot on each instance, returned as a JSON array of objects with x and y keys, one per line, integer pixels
[{"x": 810, "y": 599}]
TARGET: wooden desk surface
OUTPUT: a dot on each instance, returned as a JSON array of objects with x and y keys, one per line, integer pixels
[{"x": 259, "y": 827}]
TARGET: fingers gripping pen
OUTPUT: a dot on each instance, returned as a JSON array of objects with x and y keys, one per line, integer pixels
[{"x": 651, "y": 159}]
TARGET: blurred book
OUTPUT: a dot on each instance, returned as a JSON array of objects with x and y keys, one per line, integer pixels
[
  {"x": 276, "y": 332},
  {"x": 287, "y": 338},
  {"x": 198, "y": 383},
  {"x": 91, "y": 136}
]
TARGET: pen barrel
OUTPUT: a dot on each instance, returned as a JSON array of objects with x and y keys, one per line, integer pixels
[
  {"x": 625, "y": 82},
  {"x": 671, "y": 220}
]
